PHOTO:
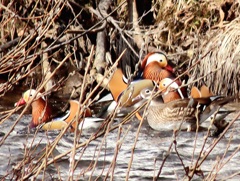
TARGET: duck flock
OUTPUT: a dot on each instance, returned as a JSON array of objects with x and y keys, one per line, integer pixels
[{"x": 168, "y": 103}]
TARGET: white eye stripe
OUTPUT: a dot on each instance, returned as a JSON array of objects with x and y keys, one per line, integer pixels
[
  {"x": 30, "y": 93},
  {"x": 156, "y": 57}
]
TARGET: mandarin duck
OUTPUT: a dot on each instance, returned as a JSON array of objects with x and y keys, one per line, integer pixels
[
  {"x": 42, "y": 114},
  {"x": 170, "y": 90},
  {"x": 71, "y": 118},
  {"x": 126, "y": 99},
  {"x": 204, "y": 92},
  {"x": 184, "y": 112},
  {"x": 41, "y": 110},
  {"x": 155, "y": 67},
  {"x": 122, "y": 91}
]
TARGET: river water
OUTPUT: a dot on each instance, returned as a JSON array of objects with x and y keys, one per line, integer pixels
[{"x": 109, "y": 156}]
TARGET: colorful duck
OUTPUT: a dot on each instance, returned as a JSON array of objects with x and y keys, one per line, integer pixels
[
  {"x": 155, "y": 67},
  {"x": 41, "y": 110},
  {"x": 122, "y": 91},
  {"x": 170, "y": 90},
  {"x": 42, "y": 114},
  {"x": 117, "y": 84}
]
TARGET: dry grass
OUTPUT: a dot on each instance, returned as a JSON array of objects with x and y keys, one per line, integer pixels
[{"x": 224, "y": 56}]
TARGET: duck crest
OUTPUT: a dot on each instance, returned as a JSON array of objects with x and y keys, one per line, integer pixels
[{"x": 155, "y": 57}]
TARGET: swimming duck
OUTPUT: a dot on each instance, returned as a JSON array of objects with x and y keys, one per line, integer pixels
[
  {"x": 184, "y": 112},
  {"x": 41, "y": 110},
  {"x": 42, "y": 114}
]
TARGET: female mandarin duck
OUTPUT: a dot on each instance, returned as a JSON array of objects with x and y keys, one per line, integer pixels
[
  {"x": 42, "y": 114},
  {"x": 122, "y": 91},
  {"x": 184, "y": 112},
  {"x": 170, "y": 94}
]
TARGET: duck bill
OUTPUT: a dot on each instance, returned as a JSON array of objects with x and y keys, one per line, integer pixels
[
  {"x": 169, "y": 68},
  {"x": 137, "y": 99},
  {"x": 20, "y": 102}
]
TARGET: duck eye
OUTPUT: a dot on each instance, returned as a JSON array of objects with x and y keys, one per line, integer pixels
[
  {"x": 161, "y": 60},
  {"x": 147, "y": 91}
]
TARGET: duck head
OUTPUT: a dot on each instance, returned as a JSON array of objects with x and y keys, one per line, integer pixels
[
  {"x": 158, "y": 58},
  {"x": 155, "y": 67},
  {"x": 148, "y": 93},
  {"x": 170, "y": 90}
]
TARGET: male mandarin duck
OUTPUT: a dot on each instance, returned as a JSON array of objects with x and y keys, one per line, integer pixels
[
  {"x": 119, "y": 79},
  {"x": 170, "y": 90},
  {"x": 124, "y": 93},
  {"x": 127, "y": 98},
  {"x": 42, "y": 114},
  {"x": 155, "y": 67},
  {"x": 71, "y": 118},
  {"x": 184, "y": 112},
  {"x": 41, "y": 110},
  {"x": 156, "y": 61}
]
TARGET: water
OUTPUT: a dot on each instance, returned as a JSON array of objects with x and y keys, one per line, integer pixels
[{"x": 150, "y": 150}]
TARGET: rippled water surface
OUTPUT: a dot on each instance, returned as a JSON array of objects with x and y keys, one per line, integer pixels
[{"x": 109, "y": 156}]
